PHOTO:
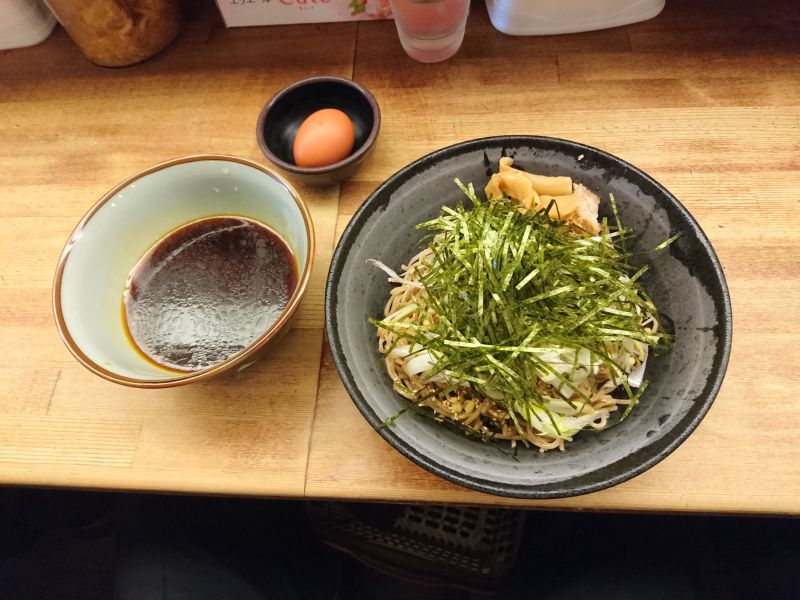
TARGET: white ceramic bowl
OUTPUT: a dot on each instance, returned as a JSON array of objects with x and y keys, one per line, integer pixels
[{"x": 129, "y": 220}]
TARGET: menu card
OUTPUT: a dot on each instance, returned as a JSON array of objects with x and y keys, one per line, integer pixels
[{"x": 242, "y": 13}]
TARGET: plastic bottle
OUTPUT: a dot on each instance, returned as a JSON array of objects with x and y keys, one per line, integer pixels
[
  {"x": 551, "y": 17},
  {"x": 24, "y": 23}
]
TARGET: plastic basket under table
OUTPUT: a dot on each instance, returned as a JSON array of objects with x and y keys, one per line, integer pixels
[{"x": 455, "y": 546}]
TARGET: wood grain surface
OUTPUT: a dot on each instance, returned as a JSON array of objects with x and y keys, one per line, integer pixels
[
  {"x": 70, "y": 131},
  {"x": 705, "y": 98}
]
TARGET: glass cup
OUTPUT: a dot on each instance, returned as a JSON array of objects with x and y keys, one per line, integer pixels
[{"x": 430, "y": 30}]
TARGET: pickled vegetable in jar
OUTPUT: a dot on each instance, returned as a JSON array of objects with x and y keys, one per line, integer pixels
[{"x": 117, "y": 33}]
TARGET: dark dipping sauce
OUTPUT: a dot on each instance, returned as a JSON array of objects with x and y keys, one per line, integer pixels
[{"x": 207, "y": 290}]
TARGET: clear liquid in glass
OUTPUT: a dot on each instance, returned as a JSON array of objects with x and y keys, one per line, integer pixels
[{"x": 430, "y": 30}]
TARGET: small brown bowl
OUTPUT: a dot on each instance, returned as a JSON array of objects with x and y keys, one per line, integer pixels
[{"x": 281, "y": 117}]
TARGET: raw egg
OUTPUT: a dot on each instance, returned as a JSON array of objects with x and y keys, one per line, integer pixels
[{"x": 325, "y": 137}]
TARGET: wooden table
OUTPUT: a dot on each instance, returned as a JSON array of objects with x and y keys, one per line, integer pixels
[{"x": 704, "y": 98}]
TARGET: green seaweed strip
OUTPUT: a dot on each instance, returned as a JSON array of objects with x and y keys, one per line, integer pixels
[{"x": 508, "y": 287}]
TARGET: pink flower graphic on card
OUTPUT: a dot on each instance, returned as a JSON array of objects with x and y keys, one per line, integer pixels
[
  {"x": 376, "y": 9},
  {"x": 379, "y": 9}
]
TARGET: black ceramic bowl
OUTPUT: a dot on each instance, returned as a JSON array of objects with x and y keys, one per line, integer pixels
[
  {"x": 685, "y": 282},
  {"x": 284, "y": 113}
]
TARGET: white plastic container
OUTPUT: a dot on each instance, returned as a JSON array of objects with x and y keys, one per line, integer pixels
[
  {"x": 24, "y": 23},
  {"x": 551, "y": 17}
]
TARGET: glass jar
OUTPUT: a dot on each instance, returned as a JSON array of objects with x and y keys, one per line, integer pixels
[{"x": 117, "y": 33}]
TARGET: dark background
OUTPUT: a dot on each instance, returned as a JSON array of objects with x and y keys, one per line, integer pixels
[{"x": 83, "y": 545}]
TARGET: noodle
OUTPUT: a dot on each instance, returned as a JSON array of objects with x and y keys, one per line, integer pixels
[
  {"x": 482, "y": 415},
  {"x": 567, "y": 403}
]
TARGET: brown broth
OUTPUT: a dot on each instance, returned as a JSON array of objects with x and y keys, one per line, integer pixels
[{"x": 207, "y": 290}]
